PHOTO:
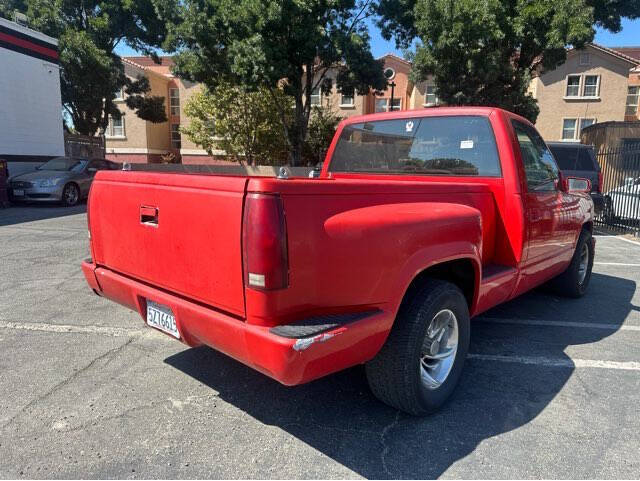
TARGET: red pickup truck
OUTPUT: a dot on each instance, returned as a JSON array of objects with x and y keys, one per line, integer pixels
[{"x": 418, "y": 221}]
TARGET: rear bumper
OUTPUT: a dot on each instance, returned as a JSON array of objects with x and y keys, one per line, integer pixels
[{"x": 289, "y": 361}]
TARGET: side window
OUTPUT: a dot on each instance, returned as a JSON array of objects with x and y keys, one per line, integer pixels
[{"x": 539, "y": 165}]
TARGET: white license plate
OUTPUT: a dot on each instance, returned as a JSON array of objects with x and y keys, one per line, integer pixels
[
  {"x": 162, "y": 318},
  {"x": 18, "y": 192}
]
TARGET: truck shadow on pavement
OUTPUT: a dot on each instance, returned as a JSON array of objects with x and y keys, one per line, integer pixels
[
  {"x": 19, "y": 214},
  {"x": 340, "y": 418}
]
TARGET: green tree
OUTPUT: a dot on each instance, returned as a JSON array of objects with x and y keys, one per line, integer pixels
[
  {"x": 288, "y": 45},
  {"x": 245, "y": 124},
  {"x": 91, "y": 73},
  {"x": 322, "y": 127},
  {"x": 485, "y": 53}
]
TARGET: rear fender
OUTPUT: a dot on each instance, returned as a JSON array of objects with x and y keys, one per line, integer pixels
[{"x": 412, "y": 237}]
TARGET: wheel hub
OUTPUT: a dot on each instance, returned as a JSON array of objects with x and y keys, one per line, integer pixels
[{"x": 439, "y": 349}]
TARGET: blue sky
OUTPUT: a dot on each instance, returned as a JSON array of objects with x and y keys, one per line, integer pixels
[{"x": 629, "y": 36}]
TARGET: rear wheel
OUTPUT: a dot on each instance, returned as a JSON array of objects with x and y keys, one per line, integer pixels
[
  {"x": 574, "y": 281},
  {"x": 419, "y": 366},
  {"x": 70, "y": 195}
]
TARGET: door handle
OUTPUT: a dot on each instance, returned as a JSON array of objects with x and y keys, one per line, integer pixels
[{"x": 149, "y": 215}]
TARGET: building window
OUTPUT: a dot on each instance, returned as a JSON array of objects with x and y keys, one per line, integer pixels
[
  {"x": 382, "y": 105},
  {"x": 176, "y": 139},
  {"x": 585, "y": 59},
  {"x": 431, "y": 98},
  {"x": 591, "y": 86},
  {"x": 346, "y": 100},
  {"x": 115, "y": 128},
  {"x": 633, "y": 94},
  {"x": 119, "y": 94},
  {"x": 571, "y": 128},
  {"x": 174, "y": 98},
  {"x": 316, "y": 96},
  {"x": 573, "y": 86}
]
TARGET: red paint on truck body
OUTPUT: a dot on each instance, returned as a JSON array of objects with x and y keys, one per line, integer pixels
[{"x": 354, "y": 243}]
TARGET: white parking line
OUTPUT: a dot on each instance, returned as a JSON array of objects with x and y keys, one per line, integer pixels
[
  {"x": 615, "y": 264},
  {"x": 66, "y": 328},
  {"x": 616, "y": 237},
  {"x": 538, "y": 322},
  {"x": 564, "y": 363}
]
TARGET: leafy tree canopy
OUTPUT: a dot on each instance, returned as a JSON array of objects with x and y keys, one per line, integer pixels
[
  {"x": 91, "y": 73},
  {"x": 278, "y": 44},
  {"x": 485, "y": 53},
  {"x": 243, "y": 123}
]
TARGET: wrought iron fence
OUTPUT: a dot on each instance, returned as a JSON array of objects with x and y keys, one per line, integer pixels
[{"x": 620, "y": 168}]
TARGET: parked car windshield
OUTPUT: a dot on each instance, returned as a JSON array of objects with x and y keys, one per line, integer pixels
[
  {"x": 446, "y": 145},
  {"x": 573, "y": 158},
  {"x": 64, "y": 164}
]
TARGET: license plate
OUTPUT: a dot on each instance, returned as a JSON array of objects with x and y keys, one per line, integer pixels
[
  {"x": 18, "y": 192},
  {"x": 162, "y": 318}
]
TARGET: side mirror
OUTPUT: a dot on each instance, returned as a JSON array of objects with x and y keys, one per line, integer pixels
[{"x": 574, "y": 185}]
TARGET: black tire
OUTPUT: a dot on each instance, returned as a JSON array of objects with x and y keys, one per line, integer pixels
[
  {"x": 70, "y": 195},
  {"x": 571, "y": 283},
  {"x": 395, "y": 374}
]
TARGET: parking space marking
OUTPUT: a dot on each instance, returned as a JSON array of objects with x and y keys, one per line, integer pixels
[
  {"x": 602, "y": 236},
  {"x": 563, "y": 363},
  {"x": 539, "y": 322},
  {"x": 67, "y": 328},
  {"x": 615, "y": 264}
]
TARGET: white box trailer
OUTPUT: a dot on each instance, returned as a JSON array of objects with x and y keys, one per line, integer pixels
[{"x": 31, "y": 129}]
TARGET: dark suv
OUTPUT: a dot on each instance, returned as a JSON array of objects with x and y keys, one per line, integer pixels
[{"x": 579, "y": 160}]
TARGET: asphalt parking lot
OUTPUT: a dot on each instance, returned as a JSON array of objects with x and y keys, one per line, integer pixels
[{"x": 551, "y": 389}]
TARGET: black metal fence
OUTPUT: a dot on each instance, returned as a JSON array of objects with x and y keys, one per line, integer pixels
[{"x": 621, "y": 187}]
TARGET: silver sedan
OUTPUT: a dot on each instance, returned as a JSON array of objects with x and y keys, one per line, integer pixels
[{"x": 62, "y": 179}]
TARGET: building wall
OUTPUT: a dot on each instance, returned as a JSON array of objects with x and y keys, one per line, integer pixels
[
  {"x": 418, "y": 98},
  {"x": 30, "y": 105},
  {"x": 404, "y": 86},
  {"x": 550, "y": 91},
  {"x": 143, "y": 141},
  {"x": 634, "y": 81}
]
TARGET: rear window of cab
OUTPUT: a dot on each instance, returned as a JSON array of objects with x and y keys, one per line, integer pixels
[{"x": 462, "y": 145}]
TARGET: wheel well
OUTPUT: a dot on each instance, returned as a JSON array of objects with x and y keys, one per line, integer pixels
[{"x": 459, "y": 272}]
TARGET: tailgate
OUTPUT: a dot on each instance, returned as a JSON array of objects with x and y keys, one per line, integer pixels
[{"x": 178, "y": 232}]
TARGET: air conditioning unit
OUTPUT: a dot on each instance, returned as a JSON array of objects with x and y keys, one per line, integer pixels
[{"x": 20, "y": 18}]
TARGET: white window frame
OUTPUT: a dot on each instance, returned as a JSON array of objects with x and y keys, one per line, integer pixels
[
  {"x": 387, "y": 100},
  {"x": 173, "y": 97},
  {"x": 566, "y": 90},
  {"x": 631, "y": 108},
  {"x": 119, "y": 95},
  {"x": 176, "y": 143},
  {"x": 347, "y": 104},
  {"x": 316, "y": 93},
  {"x": 426, "y": 103},
  {"x": 110, "y": 131},
  {"x": 577, "y": 128},
  {"x": 585, "y": 59},
  {"x": 584, "y": 86}
]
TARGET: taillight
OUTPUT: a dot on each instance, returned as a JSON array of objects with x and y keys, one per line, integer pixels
[
  {"x": 264, "y": 240},
  {"x": 600, "y": 182}
]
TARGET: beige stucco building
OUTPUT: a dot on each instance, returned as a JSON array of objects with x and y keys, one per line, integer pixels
[
  {"x": 596, "y": 84},
  {"x": 590, "y": 87}
]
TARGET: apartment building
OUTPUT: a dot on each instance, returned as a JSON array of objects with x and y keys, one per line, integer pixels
[
  {"x": 591, "y": 86},
  {"x": 595, "y": 84},
  {"x": 632, "y": 112}
]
